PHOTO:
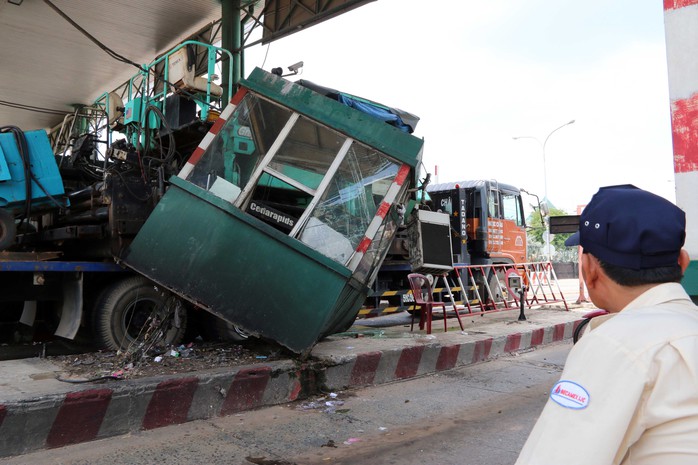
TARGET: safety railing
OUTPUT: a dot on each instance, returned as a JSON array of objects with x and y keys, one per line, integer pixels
[{"x": 479, "y": 289}]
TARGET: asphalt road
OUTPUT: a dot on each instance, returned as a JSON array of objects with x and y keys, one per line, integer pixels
[{"x": 479, "y": 414}]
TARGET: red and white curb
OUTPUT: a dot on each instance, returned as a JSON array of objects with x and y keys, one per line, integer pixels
[
  {"x": 122, "y": 407},
  {"x": 118, "y": 408},
  {"x": 417, "y": 360}
]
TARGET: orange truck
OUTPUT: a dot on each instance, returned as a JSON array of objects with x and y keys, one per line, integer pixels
[{"x": 486, "y": 227}]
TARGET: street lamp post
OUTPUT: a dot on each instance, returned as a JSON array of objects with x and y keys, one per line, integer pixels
[{"x": 545, "y": 183}]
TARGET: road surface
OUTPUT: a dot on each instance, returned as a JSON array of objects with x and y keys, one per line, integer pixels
[{"x": 475, "y": 415}]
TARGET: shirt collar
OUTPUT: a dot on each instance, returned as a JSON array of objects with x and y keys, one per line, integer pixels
[{"x": 658, "y": 294}]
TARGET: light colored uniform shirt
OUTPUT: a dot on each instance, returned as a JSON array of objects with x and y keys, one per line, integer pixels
[{"x": 629, "y": 391}]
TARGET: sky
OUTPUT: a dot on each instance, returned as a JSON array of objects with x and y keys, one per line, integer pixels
[{"x": 479, "y": 73}]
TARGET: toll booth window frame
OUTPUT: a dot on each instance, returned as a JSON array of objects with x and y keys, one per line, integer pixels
[
  {"x": 343, "y": 212},
  {"x": 233, "y": 156},
  {"x": 368, "y": 267},
  {"x": 290, "y": 172},
  {"x": 289, "y": 177}
]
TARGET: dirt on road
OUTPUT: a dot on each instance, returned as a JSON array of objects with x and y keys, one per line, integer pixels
[{"x": 164, "y": 361}]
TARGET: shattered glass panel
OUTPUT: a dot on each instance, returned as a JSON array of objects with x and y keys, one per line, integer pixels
[
  {"x": 340, "y": 220},
  {"x": 232, "y": 156},
  {"x": 367, "y": 269}
]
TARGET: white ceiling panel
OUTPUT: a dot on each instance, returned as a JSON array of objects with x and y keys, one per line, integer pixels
[{"x": 47, "y": 63}]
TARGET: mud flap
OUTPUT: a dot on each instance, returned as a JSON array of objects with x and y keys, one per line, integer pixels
[
  {"x": 28, "y": 313},
  {"x": 71, "y": 312}
]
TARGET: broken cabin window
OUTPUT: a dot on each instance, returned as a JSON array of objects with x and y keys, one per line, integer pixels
[
  {"x": 368, "y": 267},
  {"x": 340, "y": 220},
  {"x": 230, "y": 159},
  {"x": 290, "y": 180}
]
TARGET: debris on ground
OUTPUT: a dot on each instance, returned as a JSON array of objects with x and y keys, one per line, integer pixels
[
  {"x": 325, "y": 404},
  {"x": 163, "y": 361}
]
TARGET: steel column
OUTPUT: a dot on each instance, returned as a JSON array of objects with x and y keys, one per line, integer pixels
[{"x": 231, "y": 37}]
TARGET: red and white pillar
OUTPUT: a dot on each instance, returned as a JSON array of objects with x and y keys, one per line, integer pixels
[{"x": 681, "y": 29}]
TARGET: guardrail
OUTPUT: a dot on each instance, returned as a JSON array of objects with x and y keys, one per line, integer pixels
[{"x": 478, "y": 289}]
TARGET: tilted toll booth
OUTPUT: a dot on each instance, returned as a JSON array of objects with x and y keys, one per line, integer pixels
[{"x": 281, "y": 218}]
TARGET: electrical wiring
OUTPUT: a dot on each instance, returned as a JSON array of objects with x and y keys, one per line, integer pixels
[
  {"x": 89, "y": 380},
  {"x": 29, "y": 177},
  {"x": 21, "y": 106},
  {"x": 128, "y": 189},
  {"x": 265, "y": 55},
  {"x": 171, "y": 140},
  {"x": 114, "y": 54},
  {"x": 99, "y": 44}
]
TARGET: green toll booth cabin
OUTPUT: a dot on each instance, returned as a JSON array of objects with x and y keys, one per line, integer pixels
[{"x": 282, "y": 216}]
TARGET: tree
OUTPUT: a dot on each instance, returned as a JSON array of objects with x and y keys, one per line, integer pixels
[{"x": 536, "y": 228}]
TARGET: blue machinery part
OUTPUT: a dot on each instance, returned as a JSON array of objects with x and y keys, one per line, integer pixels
[{"x": 46, "y": 180}]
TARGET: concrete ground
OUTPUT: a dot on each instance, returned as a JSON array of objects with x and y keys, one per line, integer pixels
[{"x": 37, "y": 411}]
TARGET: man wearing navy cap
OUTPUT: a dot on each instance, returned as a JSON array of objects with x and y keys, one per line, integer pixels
[{"x": 629, "y": 390}]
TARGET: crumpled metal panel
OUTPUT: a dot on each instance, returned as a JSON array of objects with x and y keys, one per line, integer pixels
[{"x": 242, "y": 270}]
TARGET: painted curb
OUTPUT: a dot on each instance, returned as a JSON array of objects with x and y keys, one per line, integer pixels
[
  {"x": 393, "y": 365},
  {"x": 116, "y": 408}
]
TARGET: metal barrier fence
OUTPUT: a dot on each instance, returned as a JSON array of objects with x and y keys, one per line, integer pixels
[{"x": 478, "y": 289}]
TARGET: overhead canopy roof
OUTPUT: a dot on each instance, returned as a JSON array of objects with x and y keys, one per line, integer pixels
[{"x": 47, "y": 64}]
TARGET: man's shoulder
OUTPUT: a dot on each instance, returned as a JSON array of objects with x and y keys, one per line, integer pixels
[{"x": 642, "y": 327}]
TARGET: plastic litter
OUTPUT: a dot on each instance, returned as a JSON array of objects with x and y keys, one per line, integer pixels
[
  {"x": 157, "y": 359},
  {"x": 309, "y": 406},
  {"x": 327, "y": 406},
  {"x": 351, "y": 441},
  {"x": 185, "y": 351},
  {"x": 331, "y": 406}
]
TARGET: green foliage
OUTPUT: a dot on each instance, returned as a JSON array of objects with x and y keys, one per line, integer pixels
[{"x": 536, "y": 229}]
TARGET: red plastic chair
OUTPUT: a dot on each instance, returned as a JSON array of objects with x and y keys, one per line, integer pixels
[{"x": 423, "y": 297}]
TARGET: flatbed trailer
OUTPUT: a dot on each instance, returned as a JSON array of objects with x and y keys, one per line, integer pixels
[{"x": 106, "y": 299}]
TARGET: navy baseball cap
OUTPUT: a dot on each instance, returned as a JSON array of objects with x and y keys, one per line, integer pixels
[{"x": 631, "y": 228}]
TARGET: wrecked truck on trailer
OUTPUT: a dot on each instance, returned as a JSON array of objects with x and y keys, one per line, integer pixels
[{"x": 280, "y": 220}]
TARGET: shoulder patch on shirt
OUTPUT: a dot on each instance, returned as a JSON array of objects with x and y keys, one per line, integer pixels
[{"x": 570, "y": 395}]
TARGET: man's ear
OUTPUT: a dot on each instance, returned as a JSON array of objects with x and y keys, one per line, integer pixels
[
  {"x": 684, "y": 260},
  {"x": 590, "y": 269}
]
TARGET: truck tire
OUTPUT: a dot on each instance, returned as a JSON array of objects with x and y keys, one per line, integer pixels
[
  {"x": 8, "y": 229},
  {"x": 218, "y": 329},
  {"x": 501, "y": 292},
  {"x": 133, "y": 310},
  {"x": 496, "y": 285}
]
